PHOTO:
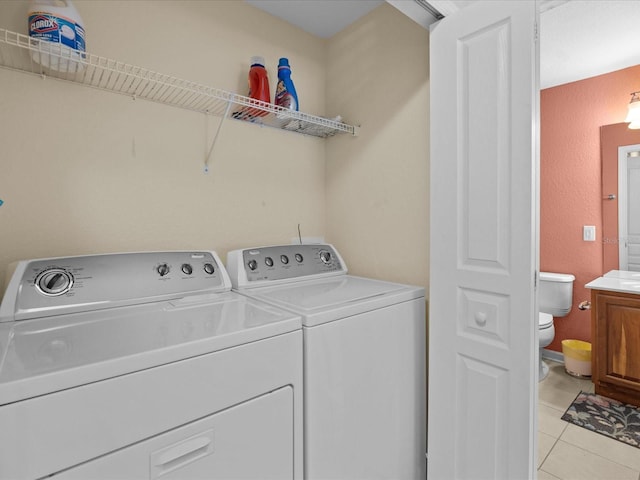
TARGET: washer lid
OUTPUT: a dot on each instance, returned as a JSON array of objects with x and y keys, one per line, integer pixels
[
  {"x": 324, "y": 300},
  {"x": 545, "y": 319},
  {"x": 44, "y": 355}
]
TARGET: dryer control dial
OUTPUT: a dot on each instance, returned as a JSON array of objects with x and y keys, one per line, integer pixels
[
  {"x": 54, "y": 281},
  {"x": 162, "y": 269}
]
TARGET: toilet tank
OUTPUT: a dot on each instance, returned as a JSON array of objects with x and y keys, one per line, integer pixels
[{"x": 555, "y": 293}]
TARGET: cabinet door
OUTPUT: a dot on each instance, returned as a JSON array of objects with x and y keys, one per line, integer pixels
[
  {"x": 617, "y": 340},
  {"x": 249, "y": 441}
]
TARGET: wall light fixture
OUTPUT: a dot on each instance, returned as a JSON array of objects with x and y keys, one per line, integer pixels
[{"x": 633, "y": 116}]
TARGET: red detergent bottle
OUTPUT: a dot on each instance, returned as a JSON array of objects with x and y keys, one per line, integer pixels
[{"x": 258, "y": 84}]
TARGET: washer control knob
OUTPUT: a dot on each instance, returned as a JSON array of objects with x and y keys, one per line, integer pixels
[
  {"x": 162, "y": 269},
  {"x": 209, "y": 269},
  {"x": 252, "y": 265},
  {"x": 54, "y": 281},
  {"x": 268, "y": 261},
  {"x": 187, "y": 269},
  {"x": 325, "y": 256},
  {"x": 284, "y": 259},
  {"x": 299, "y": 258}
]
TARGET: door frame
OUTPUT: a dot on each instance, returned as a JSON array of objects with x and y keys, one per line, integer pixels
[{"x": 623, "y": 201}]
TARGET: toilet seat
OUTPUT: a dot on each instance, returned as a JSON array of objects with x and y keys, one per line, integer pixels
[{"x": 545, "y": 320}]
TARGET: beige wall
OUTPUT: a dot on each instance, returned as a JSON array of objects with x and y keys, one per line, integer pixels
[
  {"x": 378, "y": 183},
  {"x": 85, "y": 171}
]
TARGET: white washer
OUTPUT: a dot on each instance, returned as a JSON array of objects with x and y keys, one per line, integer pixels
[
  {"x": 145, "y": 365},
  {"x": 364, "y": 360}
]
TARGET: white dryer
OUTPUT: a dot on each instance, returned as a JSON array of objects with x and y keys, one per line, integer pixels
[
  {"x": 364, "y": 360},
  {"x": 145, "y": 366}
]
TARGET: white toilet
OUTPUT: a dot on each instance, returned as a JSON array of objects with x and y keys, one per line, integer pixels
[{"x": 555, "y": 297}]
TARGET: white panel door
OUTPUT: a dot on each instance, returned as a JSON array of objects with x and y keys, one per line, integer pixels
[
  {"x": 629, "y": 207},
  {"x": 483, "y": 337}
]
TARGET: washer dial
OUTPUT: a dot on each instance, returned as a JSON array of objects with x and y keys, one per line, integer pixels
[
  {"x": 325, "y": 256},
  {"x": 54, "y": 281}
]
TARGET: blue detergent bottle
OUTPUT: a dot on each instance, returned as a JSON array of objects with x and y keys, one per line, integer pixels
[{"x": 286, "y": 95}]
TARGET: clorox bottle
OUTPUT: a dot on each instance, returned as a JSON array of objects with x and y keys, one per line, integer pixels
[{"x": 59, "y": 27}]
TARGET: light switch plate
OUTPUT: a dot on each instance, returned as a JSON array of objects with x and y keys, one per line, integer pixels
[{"x": 589, "y": 233}]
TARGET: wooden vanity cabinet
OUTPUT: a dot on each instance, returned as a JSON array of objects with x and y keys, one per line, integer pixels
[{"x": 615, "y": 333}]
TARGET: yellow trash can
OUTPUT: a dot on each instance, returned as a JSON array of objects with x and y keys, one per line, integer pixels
[{"x": 577, "y": 357}]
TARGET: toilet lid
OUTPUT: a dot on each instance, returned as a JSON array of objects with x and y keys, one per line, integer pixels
[{"x": 545, "y": 319}]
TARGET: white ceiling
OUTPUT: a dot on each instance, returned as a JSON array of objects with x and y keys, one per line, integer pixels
[
  {"x": 322, "y": 18},
  {"x": 584, "y": 38},
  {"x": 578, "y": 38}
]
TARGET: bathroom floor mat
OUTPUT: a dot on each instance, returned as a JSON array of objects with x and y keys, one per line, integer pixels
[{"x": 605, "y": 416}]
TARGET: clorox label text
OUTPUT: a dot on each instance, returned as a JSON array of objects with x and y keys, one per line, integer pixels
[{"x": 41, "y": 24}]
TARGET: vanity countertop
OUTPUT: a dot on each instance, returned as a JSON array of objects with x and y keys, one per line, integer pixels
[{"x": 617, "y": 281}]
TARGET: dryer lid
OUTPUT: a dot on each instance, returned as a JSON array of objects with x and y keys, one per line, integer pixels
[{"x": 324, "y": 300}]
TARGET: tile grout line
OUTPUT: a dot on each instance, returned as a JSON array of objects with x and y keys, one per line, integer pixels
[
  {"x": 593, "y": 454},
  {"x": 552, "y": 475},
  {"x": 549, "y": 453}
]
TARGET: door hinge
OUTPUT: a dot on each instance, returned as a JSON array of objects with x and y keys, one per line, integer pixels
[{"x": 535, "y": 31}]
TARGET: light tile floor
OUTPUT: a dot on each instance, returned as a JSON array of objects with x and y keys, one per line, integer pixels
[{"x": 568, "y": 452}]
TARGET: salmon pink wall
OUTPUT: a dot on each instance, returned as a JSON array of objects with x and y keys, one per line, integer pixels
[{"x": 570, "y": 182}]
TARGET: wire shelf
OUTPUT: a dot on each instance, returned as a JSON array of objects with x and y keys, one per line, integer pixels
[{"x": 29, "y": 55}]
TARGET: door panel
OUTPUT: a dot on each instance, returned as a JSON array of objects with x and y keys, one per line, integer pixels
[
  {"x": 483, "y": 337},
  {"x": 484, "y": 151}
]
